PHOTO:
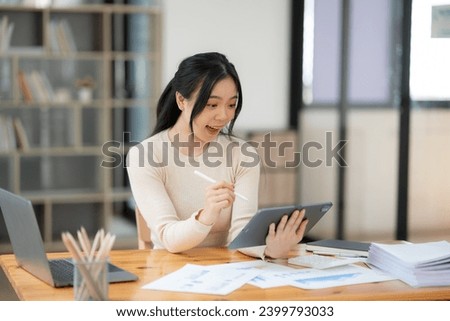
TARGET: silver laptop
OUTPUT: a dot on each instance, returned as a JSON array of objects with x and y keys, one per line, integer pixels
[{"x": 28, "y": 247}]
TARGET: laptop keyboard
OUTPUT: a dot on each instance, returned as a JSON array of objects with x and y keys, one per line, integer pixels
[{"x": 62, "y": 270}]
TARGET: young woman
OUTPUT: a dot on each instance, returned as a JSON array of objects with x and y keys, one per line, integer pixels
[{"x": 193, "y": 134}]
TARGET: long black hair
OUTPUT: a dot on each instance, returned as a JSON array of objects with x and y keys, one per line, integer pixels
[{"x": 204, "y": 69}]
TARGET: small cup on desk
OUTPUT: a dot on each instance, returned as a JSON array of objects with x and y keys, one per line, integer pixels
[{"x": 91, "y": 280}]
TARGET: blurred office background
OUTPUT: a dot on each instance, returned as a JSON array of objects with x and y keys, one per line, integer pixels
[{"x": 365, "y": 72}]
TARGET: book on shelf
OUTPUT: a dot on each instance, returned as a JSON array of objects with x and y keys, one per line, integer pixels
[
  {"x": 7, "y": 135},
  {"x": 338, "y": 247},
  {"x": 35, "y": 87},
  {"x": 52, "y": 32},
  {"x": 417, "y": 264},
  {"x": 46, "y": 86},
  {"x": 6, "y": 30},
  {"x": 4, "y": 146},
  {"x": 61, "y": 37},
  {"x": 25, "y": 87},
  {"x": 68, "y": 36},
  {"x": 12, "y": 134},
  {"x": 21, "y": 134}
]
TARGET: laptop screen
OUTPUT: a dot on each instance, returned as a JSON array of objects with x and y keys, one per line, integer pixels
[{"x": 24, "y": 234}]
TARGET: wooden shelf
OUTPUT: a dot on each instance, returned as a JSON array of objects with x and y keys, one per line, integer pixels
[{"x": 60, "y": 171}]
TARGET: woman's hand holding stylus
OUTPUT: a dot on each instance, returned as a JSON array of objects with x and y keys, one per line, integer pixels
[{"x": 218, "y": 196}]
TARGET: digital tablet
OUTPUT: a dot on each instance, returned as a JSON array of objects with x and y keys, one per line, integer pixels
[{"x": 255, "y": 232}]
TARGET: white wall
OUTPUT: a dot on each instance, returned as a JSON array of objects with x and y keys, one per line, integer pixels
[{"x": 253, "y": 34}]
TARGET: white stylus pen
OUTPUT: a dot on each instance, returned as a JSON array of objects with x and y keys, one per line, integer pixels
[{"x": 211, "y": 180}]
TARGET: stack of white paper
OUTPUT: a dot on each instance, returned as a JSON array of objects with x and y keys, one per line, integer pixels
[{"x": 419, "y": 265}]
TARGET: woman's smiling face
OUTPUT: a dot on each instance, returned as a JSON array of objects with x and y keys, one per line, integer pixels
[{"x": 218, "y": 112}]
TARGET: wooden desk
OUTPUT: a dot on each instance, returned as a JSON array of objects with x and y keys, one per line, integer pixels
[{"x": 150, "y": 265}]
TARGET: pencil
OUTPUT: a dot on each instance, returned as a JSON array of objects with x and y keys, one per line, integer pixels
[{"x": 211, "y": 180}]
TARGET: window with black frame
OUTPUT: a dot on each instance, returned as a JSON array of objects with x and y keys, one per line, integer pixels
[{"x": 351, "y": 85}]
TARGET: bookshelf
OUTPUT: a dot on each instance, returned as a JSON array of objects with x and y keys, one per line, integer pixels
[{"x": 73, "y": 79}]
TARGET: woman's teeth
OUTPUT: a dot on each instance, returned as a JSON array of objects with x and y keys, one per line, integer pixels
[{"x": 212, "y": 129}]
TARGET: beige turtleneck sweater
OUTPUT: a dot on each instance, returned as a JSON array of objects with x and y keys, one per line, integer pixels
[{"x": 170, "y": 195}]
